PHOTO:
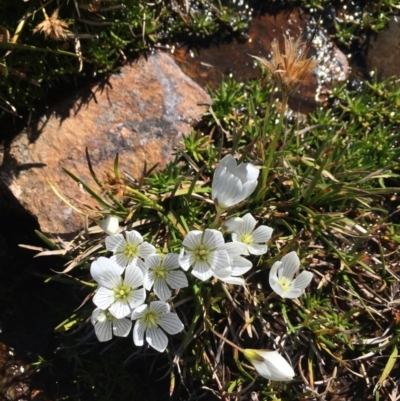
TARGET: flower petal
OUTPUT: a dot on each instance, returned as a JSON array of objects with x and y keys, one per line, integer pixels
[
  {"x": 273, "y": 366},
  {"x": 133, "y": 237},
  {"x": 145, "y": 250},
  {"x": 106, "y": 272},
  {"x": 247, "y": 189},
  {"x": 115, "y": 242},
  {"x": 225, "y": 275},
  {"x": 171, "y": 323},
  {"x": 138, "y": 333},
  {"x": 171, "y": 261},
  {"x": 160, "y": 307},
  {"x": 225, "y": 272},
  {"x": 153, "y": 261},
  {"x": 103, "y": 298},
  {"x": 186, "y": 260},
  {"x": 213, "y": 239},
  {"x": 273, "y": 279},
  {"x": 292, "y": 293},
  {"x": 290, "y": 264},
  {"x": 247, "y": 172},
  {"x": 161, "y": 289},
  {"x": 262, "y": 234},
  {"x": 192, "y": 239},
  {"x": 121, "y": 260},
  {"x": 232, "y": 224},
  {"x": 229, "y": 191},
  {"x": 103, "y": 328},
  {"x": 110, "y": 225},
  {"x": 120, "y": 309},
  {"x": 177, "y": 279},
  {"x": 249, "y": 223},
  {"x": 233, "y": 280},
  {"x": 227, "y": 164},
  {"x": 239, "y": 271},
  {"x": 139, "y": 312},
  {"x": 140, "y": 264},
  {"x": 302, "y": 280},
  {"x": 257, "y": 249},
  {"x": 202, "y": 270},
  {"x": 156, "y": 338},
  {"x": 136, "y": 298},
  {"x": 234, "y": 248},
  {"x": 121, "y": 327},
  {"x": 97, "y": 313},
  {"x": 133, "y": 276},
  {"x": 148, "y": 280},
  {"x": 218, "y": 259}
]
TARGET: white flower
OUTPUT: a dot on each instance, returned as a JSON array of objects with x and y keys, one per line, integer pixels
[
  {"x": 281, "y": 277},
  {"x": 237, "y": 264},
  {"x": 149, "y": 319},
  {"x": 118, "y": 295},
  {"x": 232, "y": 224},
  {"x": 202, "y": 252},
  {"x": 110, "y": 225},
  {"x": 254, "y": 239},
  {"x": 231, "y": 183},
  {"x": 128, "y": 250},
  {"x": 105, "y": 324},
  {"x": 161, "y": 272},
  {"x": 270, "y": 364}
]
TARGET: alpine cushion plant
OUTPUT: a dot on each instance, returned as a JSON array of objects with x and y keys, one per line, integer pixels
[
  {"x": 281, "y": 277},
  {"x": 128, "y": 250},
  {"x": 117, "y": 294},
  {"x": 232, "y": 183},
  {"x": 151, "y": 320}
]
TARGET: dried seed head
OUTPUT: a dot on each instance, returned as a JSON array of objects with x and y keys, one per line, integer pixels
[
  {"x": 113, "y": 185},
  {"x": 53, "y": 27},
  {"x": 290, "y": 68}
]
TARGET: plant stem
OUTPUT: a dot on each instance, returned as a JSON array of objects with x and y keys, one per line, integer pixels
[
  {"x": 223, "y": 338},
  {"x": 272, "y": 147},
  {"x": 215, "y": 223}
]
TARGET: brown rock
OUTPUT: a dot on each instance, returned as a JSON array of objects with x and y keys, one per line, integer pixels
[
  {"x": 208, "y": 66},
  {"x": 384, "y": 49},
  {"x": 141, "y": 114}
]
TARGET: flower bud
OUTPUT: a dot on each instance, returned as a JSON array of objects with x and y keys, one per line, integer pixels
[
  {"x": 110, "y": 225},
  {"x": 270, "y": 364},
  {"x": 232, "y": 224}
]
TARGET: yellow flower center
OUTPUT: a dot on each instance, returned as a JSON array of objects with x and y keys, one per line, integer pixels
[
  {"x": 202, "y": 253},
  {"x": 151, "y": 319},
  {"x": 130, "y": 251},
  {"x": 122, "y": 291},
  {"x": 160, "y": 272},
  {"x": 285, "y": 283},
  {"x": 246, "y": 239}
]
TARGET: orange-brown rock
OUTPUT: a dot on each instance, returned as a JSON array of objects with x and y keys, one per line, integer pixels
[
  {"x": 208, "y": 66},
  {"x": 139, "y": 113}
]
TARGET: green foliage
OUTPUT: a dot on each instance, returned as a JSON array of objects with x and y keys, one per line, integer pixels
[
  {"x": 329, "y": 189},
  {"x": 99, "y": 37},
  {"x": 328, "y": 193}
]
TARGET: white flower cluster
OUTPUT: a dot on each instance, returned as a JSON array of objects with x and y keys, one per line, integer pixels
[
  {"x": 122, "y": 283},
  {"x": 136, "y": 267}
]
